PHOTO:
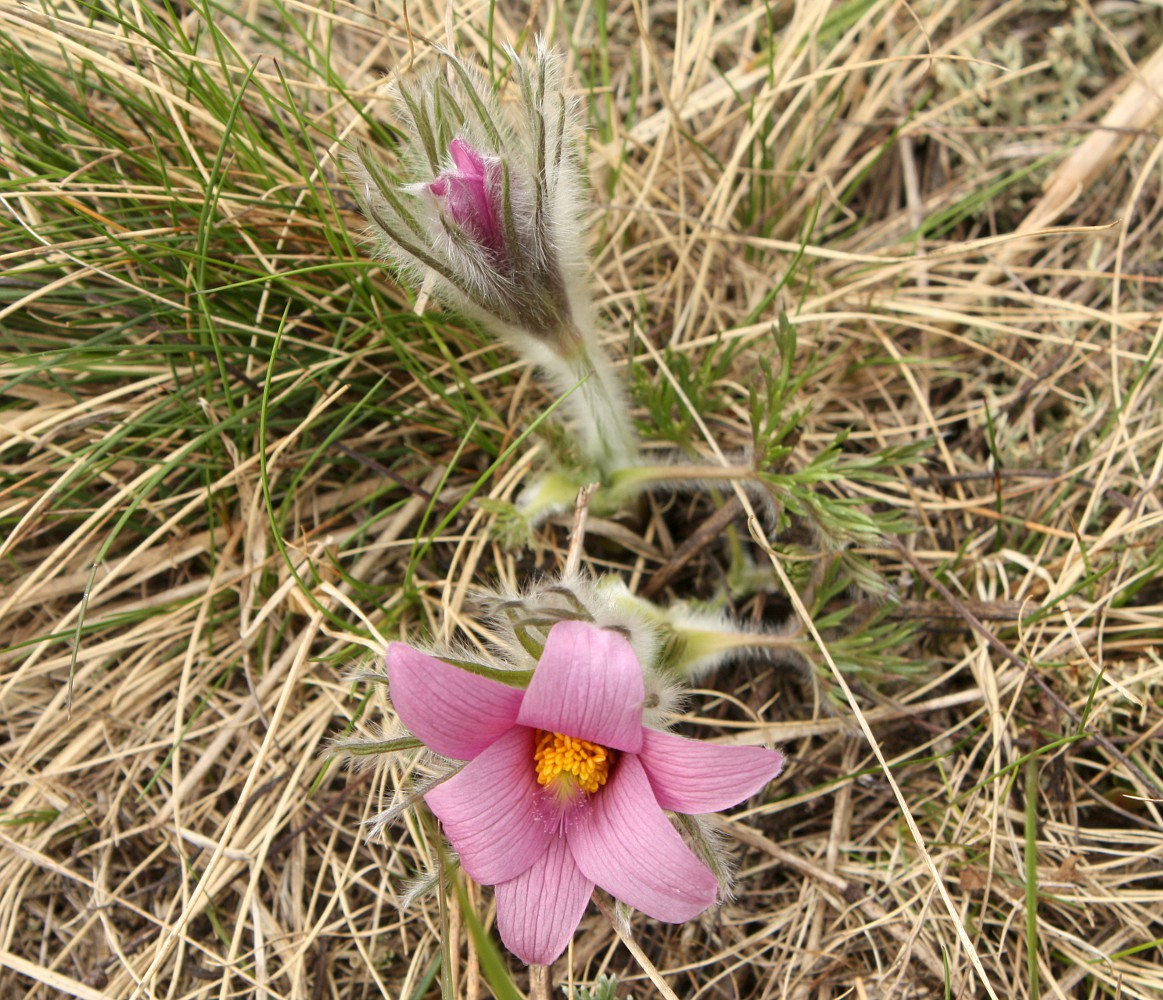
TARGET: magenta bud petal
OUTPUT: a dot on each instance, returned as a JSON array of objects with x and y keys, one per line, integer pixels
[
  {"x": 467, "y": 159},
  {"x": 470, "y": 196},
  {"x": 588, "y": 684},
  {"x": 626, "y": 844},
  {"x": 490, "y": 810},
  {"x": 691, "y": 777},
  {"x": 538, "y": 911},
  {"x": 454, "y": 712}
]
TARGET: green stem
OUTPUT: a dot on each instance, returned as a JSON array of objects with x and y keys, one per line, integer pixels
[
  {"x": 603, "y": 419},
  {"x": 633, "y": 479}
]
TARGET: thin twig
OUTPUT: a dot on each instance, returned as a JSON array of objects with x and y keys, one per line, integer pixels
[
  {"x": 644, "y": 963},
  {"x": 711, "y": 529},
  {"x": 577, "y": 536}
]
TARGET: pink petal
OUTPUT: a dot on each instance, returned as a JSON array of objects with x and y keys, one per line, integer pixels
[
  {"x": 692, "y": 777},
  {"x": 588, "y": 685},
  {"x": 538, "y": 911},
  {"x": 470, "y": 194},
  {"x": 490, "y": 810},
  {"x": 467, "y": 159},
  {"x": 454, "y": 712},
  {"x": 628, "y": 847}
]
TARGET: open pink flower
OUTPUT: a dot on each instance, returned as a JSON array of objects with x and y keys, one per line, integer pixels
[
  {"x": 565, "y": 789},
  {"x": 469, "y": 194}
]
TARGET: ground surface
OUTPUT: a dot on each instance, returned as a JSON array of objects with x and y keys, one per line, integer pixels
[{"x": 233, "y": 453}]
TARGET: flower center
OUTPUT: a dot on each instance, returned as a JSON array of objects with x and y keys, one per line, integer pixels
[{"x": 565, "y": 763}]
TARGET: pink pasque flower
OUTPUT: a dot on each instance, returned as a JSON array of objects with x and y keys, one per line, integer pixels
[
  {"x": 565, "y": 788},
  {"x": 471, "y": 196}
]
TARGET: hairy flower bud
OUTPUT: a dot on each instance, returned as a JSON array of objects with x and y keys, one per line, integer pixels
[{"x": 490, "y": 208}]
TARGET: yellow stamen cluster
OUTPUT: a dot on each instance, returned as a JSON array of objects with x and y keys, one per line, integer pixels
[{"x": 588, "y": 764}]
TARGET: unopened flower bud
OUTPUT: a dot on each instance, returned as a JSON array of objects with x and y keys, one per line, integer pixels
[{"x": 492, "y": 211}]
